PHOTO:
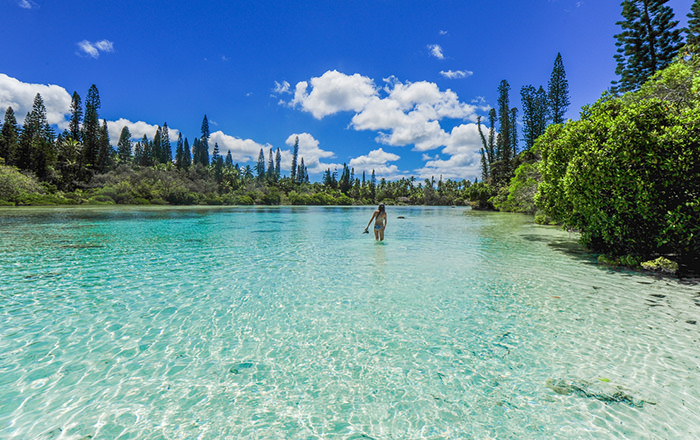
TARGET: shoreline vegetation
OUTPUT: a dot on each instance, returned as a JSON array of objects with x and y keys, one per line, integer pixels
[{"x": 626, "y": 175}]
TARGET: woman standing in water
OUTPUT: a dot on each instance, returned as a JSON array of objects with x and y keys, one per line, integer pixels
[{"x": 380, "y": 220}]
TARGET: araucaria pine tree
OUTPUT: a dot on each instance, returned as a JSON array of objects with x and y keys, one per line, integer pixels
[
  {"x": 36, "y": 146},
  {"x": 204, "y": 143},
  {"x": 9, "y": 136},
  {"x": 692, "y": 38},
  {"x": 76, "y": 117},
  {"x": 104, "y": 152},
  {"x": 501, "y": 170},
  {"x": 534, "y": 113},
  {"x": 558, "y": 92},
  {"x": 91, "y": 127},
  {"x": 271, "y": 167},
  {"x": 124, "y": 145},
  {"x": 260, "y": 167},
  {"x": 278, "y": 162},
  {"x": 179, "y": 152},
  {"x": 166, "y": 153},
  {"x": 295, "y": 156},
  {"x": 186, "y": 155},
  {"x": 648, "y": 42}
]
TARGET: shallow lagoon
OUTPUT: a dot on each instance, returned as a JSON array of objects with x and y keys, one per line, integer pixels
[{"x": 289, "y": 322}]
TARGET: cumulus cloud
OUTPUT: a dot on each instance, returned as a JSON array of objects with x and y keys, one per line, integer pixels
[
  {"x": 20, "y": 96},
  {"x": 459, "y": 166},
  {"x": 436, "y": 51},
  {"x": 462, "y": 147},
  {"x": 410, "y": 114},
  {"x": 376, "y": 160},
  {"x": 334, "y": 92},
  {"x": 401, "y": 113},
  {"x": 242, "y": 150},
  {"x": 137, "y": 129},
  {"x": 311, "y": 152},
  {"x": 456, "y": 74},
  {"x": 87, "y": 48}
]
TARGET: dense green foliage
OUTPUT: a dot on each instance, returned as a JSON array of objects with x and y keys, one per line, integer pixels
[
  {"x": 627, "y": 175},
  {"x": 648, "y": 42}
]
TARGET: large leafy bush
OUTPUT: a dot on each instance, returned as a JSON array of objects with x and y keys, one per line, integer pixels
[{"x": 627, "y": 175}]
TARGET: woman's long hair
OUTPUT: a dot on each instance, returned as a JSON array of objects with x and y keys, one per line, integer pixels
[{"x": 381, "y": 207}]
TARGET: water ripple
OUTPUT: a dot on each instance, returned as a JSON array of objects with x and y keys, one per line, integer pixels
[{"x": 289, "y": 323}]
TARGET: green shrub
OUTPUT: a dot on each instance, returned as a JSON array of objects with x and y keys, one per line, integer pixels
[
  {"x": 244, "y": 200},
  {"x": 101, "y": 199},
  {"x": 520, "y": 196},
  {"x": 16, "y": 187},
  {"x": 627, "y": 175}
]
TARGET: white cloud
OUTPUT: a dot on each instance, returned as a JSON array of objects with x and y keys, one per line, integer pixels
[
  {"x": 282, "y": 88},
  {"x": 242, "y": 150},
  {"x": 311, "y": 152},
  {"x": 459, "y": 166},
  {"x": 20, "y": 96},
  {"x": 410, "y": 114},
  {"x": 436, "y": 51},
  {"x": 334, "y": 92},
  {"x": 456, "y": 74},
  {"x": 442, "y": 32},
  {"x": 462, "y": 146},
  {"x": 401, "y": 114},
  {"x": 93, "y": 50},
  {"x": 26, "y": 4},
  {"x": 376, "y": 160},
  {"x": 137, "y": 130}
]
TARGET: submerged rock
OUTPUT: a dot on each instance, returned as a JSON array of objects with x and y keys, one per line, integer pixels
[
  {"x": 601, "y": 392},
  {"x": 661, "y": 264}
]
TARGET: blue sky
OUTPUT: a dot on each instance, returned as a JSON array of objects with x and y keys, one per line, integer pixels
[{"x": 393, "y": 86}]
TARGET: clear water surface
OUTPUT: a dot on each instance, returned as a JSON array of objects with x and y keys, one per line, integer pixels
[{"x": 289, "y": 323}]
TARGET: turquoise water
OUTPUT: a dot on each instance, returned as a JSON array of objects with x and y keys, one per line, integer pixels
[{"x": 289, "y": 323}]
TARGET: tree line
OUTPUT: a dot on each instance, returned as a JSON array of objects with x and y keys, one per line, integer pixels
[{"x": 79, "y": 165}]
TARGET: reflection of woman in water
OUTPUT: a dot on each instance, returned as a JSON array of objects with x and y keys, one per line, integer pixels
[{"x": 379, "y": 217}]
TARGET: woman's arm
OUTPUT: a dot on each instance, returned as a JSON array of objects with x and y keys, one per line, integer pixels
[{"x": 374, "y": 214}]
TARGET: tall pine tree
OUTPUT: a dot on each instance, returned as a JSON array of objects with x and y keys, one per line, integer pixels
[
  {"x": 157, "y": 144},
  {"x": 166, "y": 153},
  {"x": 186, "y": 155},
  {"x": 693, "y": 30},
  {"x": 270, "y": 167},
  {"x": 179, "y": 152},
  {"x": 648, "y": 42},
  {"x": 91, "y": 128},
  {"x": 36, "y": 147},
  {"x": 9, "y": 136},
  {"x": 278, "y": 163},
  {"x": 104, "y": 152},
  {"x": 204, "y": 143},
  {"x": 558, "y": 92},
  {"x": 124, "y": 145},
  {"x": 534, "y": 104},
  {"x": 260, "y": 166},
  {"x": 295, "y": 157},
  {"x": 76, "y": 117}
]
